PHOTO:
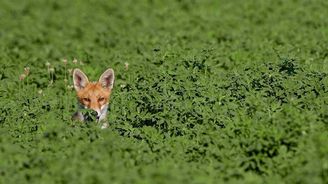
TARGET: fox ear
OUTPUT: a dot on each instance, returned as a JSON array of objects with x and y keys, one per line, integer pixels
[
  {"x": 80, "y": 79},
  {"x": 107, "y": 79}
]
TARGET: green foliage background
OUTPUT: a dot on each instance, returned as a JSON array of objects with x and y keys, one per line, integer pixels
[{"x": 215, "y": 91}]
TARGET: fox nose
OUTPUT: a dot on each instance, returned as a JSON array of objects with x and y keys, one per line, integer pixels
[
  {"x": 94, "y": 114},
  {"x": 90, "y": 115}
]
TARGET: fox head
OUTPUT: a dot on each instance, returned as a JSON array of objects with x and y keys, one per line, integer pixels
[{"x": 94, "y": 95}]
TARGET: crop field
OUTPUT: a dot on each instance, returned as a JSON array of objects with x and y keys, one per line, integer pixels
[{"x": 205, "y": 91}]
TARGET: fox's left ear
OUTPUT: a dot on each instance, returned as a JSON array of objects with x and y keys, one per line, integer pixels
[{"x": 107, "y": 79}]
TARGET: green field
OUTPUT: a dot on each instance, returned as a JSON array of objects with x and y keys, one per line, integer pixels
[{"x": 206, "y": 91}]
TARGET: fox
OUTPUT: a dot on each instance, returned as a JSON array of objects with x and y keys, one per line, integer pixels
[{"x": 94, "y": 96}]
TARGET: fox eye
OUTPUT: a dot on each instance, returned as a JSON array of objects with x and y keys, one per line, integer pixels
[
  {"x": 86, "y": 99},
  {"x": 101, "y": 99}
]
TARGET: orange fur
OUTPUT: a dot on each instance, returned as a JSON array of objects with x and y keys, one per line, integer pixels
[{"x": 93, "y": 96}]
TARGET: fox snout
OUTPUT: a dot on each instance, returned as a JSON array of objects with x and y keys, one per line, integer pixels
[
  {"x": 95, "y": 114},
  {"x": 92, "y": 104},
  {"x": 90, "y": 115},
  {"x": 95, "y": 111}
]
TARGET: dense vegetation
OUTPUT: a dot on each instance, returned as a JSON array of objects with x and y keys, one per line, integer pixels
[{"x": 205, "y": 92}]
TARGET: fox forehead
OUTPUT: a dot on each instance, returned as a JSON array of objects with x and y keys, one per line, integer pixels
[{"x": 93, "y": 89}]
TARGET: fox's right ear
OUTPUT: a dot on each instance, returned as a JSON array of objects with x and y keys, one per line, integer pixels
[{"x": 80, "y": 79}]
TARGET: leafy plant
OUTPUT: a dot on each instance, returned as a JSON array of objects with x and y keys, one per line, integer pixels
[{"x": 205, "y": 91}]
